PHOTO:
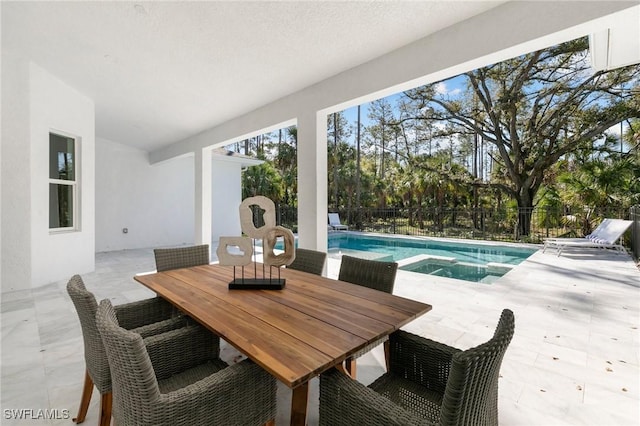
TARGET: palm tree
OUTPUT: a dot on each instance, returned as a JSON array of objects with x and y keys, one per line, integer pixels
[{"x": 262, "y": 180}]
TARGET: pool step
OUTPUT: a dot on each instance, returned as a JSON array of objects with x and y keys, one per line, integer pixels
[
  {"x": 438, "y": 260},
  {"x": 501, "y": 268},
  {"x": 337, "y": 254}
]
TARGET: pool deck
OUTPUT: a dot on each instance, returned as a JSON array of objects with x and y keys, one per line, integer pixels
[{"x": 574, "y": 358}]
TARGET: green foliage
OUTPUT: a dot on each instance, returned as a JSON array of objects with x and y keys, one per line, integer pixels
[
  {"x": 262, "y": 180},
  {"x": 549, "y": 204}
]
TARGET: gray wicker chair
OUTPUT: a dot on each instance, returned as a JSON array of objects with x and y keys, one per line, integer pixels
[
  {"x": 428, "y": 384},
  {"x": 146, "y": 317},
  {"x": 310, "y": 261},
  {"x": 176, "y": 378},
  {"x": 373, "y": 274},
  {"x": 181, "y": 257}
]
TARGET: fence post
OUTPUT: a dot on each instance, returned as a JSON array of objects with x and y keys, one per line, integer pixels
[
  {"x": 634, "y": 215},
  {"x": 546, "y": 221},
  {"x": 393, "y": 219}
]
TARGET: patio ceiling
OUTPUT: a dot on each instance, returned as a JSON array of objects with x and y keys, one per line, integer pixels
[{"x": 160, "y": 72}]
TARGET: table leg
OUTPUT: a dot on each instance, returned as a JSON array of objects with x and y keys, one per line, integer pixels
[
  {"x": 299, "y": 399},
  {"x": 350, "y": 367}
]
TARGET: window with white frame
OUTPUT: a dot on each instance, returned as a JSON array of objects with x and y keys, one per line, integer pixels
[{"x": 63, "y": 182}]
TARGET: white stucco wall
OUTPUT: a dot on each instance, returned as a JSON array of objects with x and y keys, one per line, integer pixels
[
  {"x": 55, "y": 106},
  {"x": 34, "y": 102},
  {"x": 52, "y": 106},
  {"x": 226, "y": 196},
  {"x": 16, "y": 175},
  {"x": 155, "y": 202}
]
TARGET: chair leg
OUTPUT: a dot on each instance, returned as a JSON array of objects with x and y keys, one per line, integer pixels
[
  {"x": 105, "y": 409},
  {"x": 387, "y": 351},
  {"x": 271, "y": 422},
  {"x": 350, "y": 366},
  {"x": 87, "y": 390}
]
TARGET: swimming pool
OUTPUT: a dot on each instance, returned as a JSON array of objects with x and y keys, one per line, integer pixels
[{"x": 482, "y": 263}]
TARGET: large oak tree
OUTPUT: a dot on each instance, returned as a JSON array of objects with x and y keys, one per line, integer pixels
[{"x": 535, "y": 109}]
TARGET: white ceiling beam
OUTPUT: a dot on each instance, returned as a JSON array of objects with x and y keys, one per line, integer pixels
[{"x": 618, "y": 45}]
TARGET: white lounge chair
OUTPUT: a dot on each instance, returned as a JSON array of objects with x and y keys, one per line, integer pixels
[
  {"x": 593, "y": 234},
  {"x": 606, "y": 235},
  {"x": 334, "y": 222}
]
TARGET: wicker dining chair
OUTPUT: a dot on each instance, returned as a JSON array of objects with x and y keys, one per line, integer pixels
[
  {"x": 176, "y": 378},
  {"x": 181, "y": 257},
  {"x": 373, "y": 274},
  {"x": 310, "y": 261},
  {"x": 146, "y": 317},
  {"x": 428, "y": 383}
]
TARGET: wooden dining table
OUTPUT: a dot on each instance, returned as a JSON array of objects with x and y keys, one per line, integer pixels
[{"x": 311, "y": 325}]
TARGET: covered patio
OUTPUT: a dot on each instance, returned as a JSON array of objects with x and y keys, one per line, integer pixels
[
  {"x": 148, "y": 180},
  {"x": 150, "y": 91},
  {"x": 574, "y": 358}
]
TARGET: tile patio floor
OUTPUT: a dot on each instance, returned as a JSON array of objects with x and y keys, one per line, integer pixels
[{"x": 574, "y": 359}]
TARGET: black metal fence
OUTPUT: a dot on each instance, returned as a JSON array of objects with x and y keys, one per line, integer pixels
[{"x": 497, "y": 224}]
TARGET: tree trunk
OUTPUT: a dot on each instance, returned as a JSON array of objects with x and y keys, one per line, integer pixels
[
  {"x": 358, "y": 183},
  {"x": 382, "y": 153},
  {"x": 525, "y": 211}
]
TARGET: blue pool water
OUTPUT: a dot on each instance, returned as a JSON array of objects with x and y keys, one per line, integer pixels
[
  {"x": 481, "y": 263},
  {"x": 402, "y": 248},
  {"x": 465, "y": 261}
]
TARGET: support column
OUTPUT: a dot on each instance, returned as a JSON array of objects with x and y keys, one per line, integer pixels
[
  {"x": 312, "y": 180},
  {"x": 203, "y": 196}
]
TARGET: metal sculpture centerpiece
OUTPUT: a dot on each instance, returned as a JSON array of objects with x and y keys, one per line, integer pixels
[{"x": 269, "y": 234}]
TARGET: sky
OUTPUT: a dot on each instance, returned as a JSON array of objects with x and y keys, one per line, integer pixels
[{"x": 453, "y": 87}]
